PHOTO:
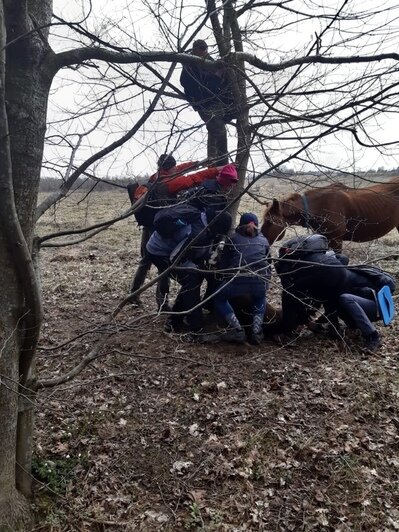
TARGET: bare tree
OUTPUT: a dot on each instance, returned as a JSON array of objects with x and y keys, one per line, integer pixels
[{"x": 289, "y": 102}]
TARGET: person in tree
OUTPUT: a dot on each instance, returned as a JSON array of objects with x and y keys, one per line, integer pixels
[
  {"x": 246, "y": 257},
  {"x": 210, "y": 95}
]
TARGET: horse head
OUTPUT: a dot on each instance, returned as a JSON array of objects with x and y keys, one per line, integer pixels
[{"x": 279, "y": 214}]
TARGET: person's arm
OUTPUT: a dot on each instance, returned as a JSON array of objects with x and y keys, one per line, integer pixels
[
  {"x": 176, "y": 184},
  {"x": 182, "y": 167},
  {"x": 227, "y": 256}
]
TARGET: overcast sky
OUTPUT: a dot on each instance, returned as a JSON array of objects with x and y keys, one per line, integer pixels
[{"x": 130, "y": 24}]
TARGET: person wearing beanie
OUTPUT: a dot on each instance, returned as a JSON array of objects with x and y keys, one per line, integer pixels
[
  {"x": 225, "y": 175},
  {"x": 209, "y": 93},
  {"x": 245, "y": 256},
  {"x": 159, "y": 195},
  {"x": 212, "y": 193}
]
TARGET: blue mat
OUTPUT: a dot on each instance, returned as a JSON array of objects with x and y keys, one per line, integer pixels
[{"x": 386, "y": 304}]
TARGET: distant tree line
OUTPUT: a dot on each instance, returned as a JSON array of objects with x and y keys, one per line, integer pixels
[{"x": 51, "y": 184}]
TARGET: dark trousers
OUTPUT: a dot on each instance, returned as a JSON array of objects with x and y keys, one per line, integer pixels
[
  {"x": 242, "y": 286},
  {"x": 189, "y": 296},
  {"x": 217, "y": 134},
  {"x": 358, "y": 312},
  {"x": 143, "y": 268}
]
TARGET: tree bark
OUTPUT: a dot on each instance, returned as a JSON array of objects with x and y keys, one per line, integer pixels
[{"x": 24, "y": 86}]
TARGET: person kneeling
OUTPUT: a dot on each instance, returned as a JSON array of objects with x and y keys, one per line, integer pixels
[{"x": 245, "y": 255}]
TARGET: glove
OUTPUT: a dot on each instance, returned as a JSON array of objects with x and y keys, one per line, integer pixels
[{"x": 215, "y": 255}]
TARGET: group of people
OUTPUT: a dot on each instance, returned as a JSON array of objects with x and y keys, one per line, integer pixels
[
  {"x": 312, "y": 276},
  {"x": 187, "y": 235},
  {"x": 203, "y": 189}
]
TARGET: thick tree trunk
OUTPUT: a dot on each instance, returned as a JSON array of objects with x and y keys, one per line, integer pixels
[
  {"x": 14, "y": 510},
  {"x": 25, "y": 83}
]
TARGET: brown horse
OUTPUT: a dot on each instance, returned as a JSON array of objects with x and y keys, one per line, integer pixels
[{"x": 338, "y": 212}]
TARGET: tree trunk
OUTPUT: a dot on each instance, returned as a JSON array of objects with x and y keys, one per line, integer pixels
[
  {"x": 24, "y": 85},
  {"x": 225, "y": 36},
  {"x": 14, "y": 510}
]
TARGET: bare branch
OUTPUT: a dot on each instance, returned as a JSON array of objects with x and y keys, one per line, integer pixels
[{"x": 50, "y": 200}]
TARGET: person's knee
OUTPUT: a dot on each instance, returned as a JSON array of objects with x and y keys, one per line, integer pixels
[{"x": 345, "y": 299}]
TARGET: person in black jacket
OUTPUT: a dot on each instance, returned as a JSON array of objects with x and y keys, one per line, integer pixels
[
  {"x": 314, "y": 278},
  {"x": 209, "y": 94},
  {"x": 187, "y": 224}
]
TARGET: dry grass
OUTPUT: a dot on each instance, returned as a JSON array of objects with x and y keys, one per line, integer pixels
[{"x": 162, "y": 435}]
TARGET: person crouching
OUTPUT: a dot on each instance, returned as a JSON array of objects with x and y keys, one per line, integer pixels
[{"x": 245, "y": 256}]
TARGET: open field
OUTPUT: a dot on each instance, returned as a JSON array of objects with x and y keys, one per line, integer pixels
[{"x": 158, "y": 434}]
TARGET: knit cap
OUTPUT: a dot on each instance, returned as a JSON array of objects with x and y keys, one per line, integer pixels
[
  {"x": 249, "y": 218},
  {"x": 227, "y": 175}
]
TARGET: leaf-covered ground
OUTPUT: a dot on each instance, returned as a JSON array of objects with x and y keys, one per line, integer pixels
[{"x": 159, "y": 434}]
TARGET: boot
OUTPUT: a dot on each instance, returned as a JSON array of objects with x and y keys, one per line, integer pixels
[
  {"x": 202, "y": 337},
  {"x": 372, "y": 342},
  {"x": 257, "y": 329},
  {"x": 235, "y": 336},
  {"x": 164, "y": 307},
  {"x": 174, "y": 324}
]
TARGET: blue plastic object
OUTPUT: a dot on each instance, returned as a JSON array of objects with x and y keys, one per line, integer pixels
[{"x": 386, "y": 304}]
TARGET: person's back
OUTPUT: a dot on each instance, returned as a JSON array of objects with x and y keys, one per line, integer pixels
[
  {"x": 201, "y": 86},
  {"x": 319, "y": 275}
]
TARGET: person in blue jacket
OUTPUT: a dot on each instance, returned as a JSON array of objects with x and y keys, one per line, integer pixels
[
  {"x": 245, "y": 257},
  {"x": 191, "y": 224}
]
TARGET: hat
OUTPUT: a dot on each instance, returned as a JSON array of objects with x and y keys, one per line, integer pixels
[
  {"x": 166, "y": 162},
  {"x": 227, "y": 175},
  {"x": 223, "y": 223},
  {"x": 249, "y": 218},
  {"x": 201, "y": 44}
]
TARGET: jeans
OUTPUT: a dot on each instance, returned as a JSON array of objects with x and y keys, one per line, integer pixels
[
  {"x": 143, "y": 268},
  {"x": 243, "y": 286},
  {"x": 358, "y": 312},
  {"x": 189, "y": 295}
]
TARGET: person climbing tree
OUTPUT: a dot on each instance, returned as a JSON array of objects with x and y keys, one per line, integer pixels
[{"x": 208, "y": 93}]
